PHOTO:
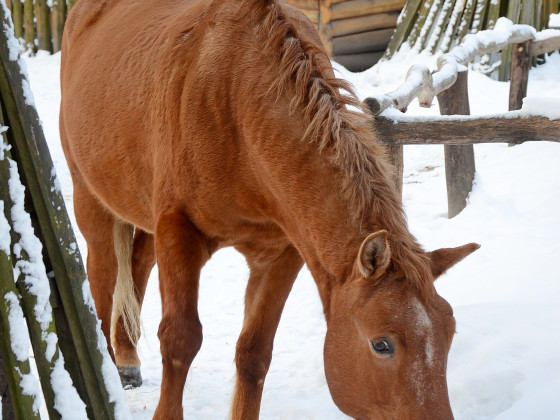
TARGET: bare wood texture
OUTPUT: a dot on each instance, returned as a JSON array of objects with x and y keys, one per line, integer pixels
[
  {"x": 505, "y": 128},
  {"x": 353, "y": 8},
  {"x": 17, "y": 16},
  {"x": 363, "y": 42},
  {"x": 520, "y": 65},
  {"x": 324, "y": 19},
  {"x": 42, "y": 21},
  {"x": 29, "y": 25},
  {"x": 396, "y": 156},
  {"x": 405, "y": 24},
  {"x": 359, "y": 61},
  {"x": 361, "y": 24},
  {"x": 459, "y": 160},
  {"x": 32, "y": 152},
  {"x": 304, "y": 4},
  {"x": 545, "y": 46},
  {"x": 58, "y": 14}
]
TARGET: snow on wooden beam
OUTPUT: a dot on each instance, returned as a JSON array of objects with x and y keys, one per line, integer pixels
[{"x": 421, "y": 83}]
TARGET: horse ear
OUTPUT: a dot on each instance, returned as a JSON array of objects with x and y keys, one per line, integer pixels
[
  {"x": 445, "y": 258},
  {"x": 374, "y": 255}
]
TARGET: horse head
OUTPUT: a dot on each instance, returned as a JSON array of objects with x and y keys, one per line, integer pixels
[{"x": 387, "y": 342}]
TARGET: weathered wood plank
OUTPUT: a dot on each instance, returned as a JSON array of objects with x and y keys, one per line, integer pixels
[
  {"x": 545, "y": 46},
  {"x": 363, "y": 42},
  {"x": 505, "y": 128},
  {"x": 459, "y": 160},
  {"x": 361, "y": 24},
  {"x": 405, "y": 26},
  {"x": 59, "y": 241},
  {"x": 520, "y": 65},
  {"x": 354, "y": 8},
  {"x": 304, "y": 4},
  {"x": 17, "y": 16},
  {"x": 360, "y": 61},
  {"x": 21, "y": 403}
]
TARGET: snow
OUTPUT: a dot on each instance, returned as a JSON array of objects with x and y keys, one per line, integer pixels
[
  {"x": 504, "y": 361},
  {"x": 18, "y": 328},
  {"x": 67, "y": 403},
  {"x": 545, "y": 105},
  {"x": 554, "y": 20},
  {"x": 4, "y": 231}
]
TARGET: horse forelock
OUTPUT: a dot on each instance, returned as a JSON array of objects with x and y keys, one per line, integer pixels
[{"x": 302, "y": 70}]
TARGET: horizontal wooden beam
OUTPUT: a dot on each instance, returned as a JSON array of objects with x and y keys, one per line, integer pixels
[
  {"x": 364, "y": 42},
  {"x": 360, "y": 61},
  {"x": 361, "y": 24},
  {"x": 354, "y": 8},
  {"x": 466, "y": 130},
  {"x": 545, "y": 46}
]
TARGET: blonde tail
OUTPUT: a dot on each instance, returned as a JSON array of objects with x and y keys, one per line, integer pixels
[{"x": 125, "y": 305}]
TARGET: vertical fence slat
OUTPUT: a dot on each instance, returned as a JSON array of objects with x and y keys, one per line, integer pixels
[
  {"x": 17, "y": 16},
  {"x": 59, "y": 241},
  {"x": 29, "y": 25},
  {"x": 459, "y": 160},
  {"x": 21, "y": 404},
  {"x": 42, "y": 20}
]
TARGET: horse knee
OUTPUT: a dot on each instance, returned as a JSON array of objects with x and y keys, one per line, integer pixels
[
  {"x": 180, "y": 341},
  {"x": 252, "y": 360}
]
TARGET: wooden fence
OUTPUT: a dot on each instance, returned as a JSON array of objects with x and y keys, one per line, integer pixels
[
  {"x": 354, "y": 32},
  {"x": 55, "y": 276},
  {"x": 449, "y": 84},
  {"x": 39, "y": 23}
]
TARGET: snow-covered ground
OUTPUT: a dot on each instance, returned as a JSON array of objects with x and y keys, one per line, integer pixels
[{"x": 504, "y": 362}]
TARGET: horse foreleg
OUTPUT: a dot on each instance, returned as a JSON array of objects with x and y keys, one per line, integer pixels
[
  {"x": 126, "y": 356},
  {"x": 269, "y": 284},
  {"x": 181, "y": 252}
]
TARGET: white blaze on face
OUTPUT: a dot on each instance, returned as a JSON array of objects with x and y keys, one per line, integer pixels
[
  {"x": 424, "y": 360},
  {"x": 424, "y": 327}
]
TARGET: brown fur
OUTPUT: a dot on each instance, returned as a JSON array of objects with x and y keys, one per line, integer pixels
[{"x": 220, "y": 123}]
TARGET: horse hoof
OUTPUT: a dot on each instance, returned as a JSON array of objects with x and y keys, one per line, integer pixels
[{"x": 130, "y": 376}]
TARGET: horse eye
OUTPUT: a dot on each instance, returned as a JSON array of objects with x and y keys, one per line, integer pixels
[{"x": 382, "y": 346}]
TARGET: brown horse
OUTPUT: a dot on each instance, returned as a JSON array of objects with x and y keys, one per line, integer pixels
[{"x": 191, "y": 125}]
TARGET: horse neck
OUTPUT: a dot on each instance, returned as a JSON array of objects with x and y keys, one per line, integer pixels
[{"x": 311, "y": 204}]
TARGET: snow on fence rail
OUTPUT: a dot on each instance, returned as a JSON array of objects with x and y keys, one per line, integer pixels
[
  {"x": 449, "y": 84},
  {"x": 421, "y": 83}
]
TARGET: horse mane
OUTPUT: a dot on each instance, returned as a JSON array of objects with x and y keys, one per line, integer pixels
[{"x": 302, "y": 67}]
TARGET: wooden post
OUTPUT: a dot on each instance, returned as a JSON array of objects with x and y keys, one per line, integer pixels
[
  {"x": 21, "y": 404},
  {"x": 396, "y": 158},
  {"x": 520, "y": 65},
  {"x": 324, "y": 21},
  {"x": 459, "y": 160},
  {"x": 29, "y": 25},
  {"x": 17, "y": 16},
  {"x": 42, "y": 13},
  {"x": 58, "y": 13}
]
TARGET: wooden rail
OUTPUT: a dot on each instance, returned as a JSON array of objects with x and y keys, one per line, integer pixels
[{"x": 449, "y": 84}]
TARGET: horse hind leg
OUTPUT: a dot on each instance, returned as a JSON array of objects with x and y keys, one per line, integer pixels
[
  {"x": 269, "y": 285},
  {"x": 96, "y": 225},
  {"x": 136, "y": 256}
]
